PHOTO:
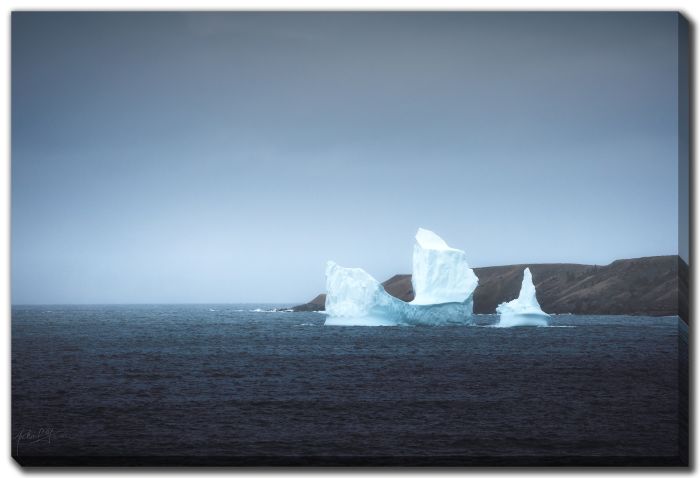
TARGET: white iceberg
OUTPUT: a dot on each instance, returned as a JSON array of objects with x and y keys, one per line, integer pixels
[
  {"x": 440, "y": 273},
  {"x": 442, "y": 280},
  {"x": 525, "y": 310},
  {"x": 351, "y": 292}
]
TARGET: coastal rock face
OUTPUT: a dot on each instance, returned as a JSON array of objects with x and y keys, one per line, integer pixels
[
  {"x": 316, "y": 304},
  {"x": 643, "y": 286},
  {"x": 524, "y": 310},
  {"x": 654, "y": 286}
]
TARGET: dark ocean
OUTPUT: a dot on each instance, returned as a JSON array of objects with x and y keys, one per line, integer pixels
[{"x": 235, "y": 384}]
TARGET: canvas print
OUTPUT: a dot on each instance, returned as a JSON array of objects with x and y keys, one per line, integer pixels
[{"x": 313, "y": 238}]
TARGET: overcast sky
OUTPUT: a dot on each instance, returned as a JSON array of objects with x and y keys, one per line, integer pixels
[{"x": 224, "y": 157}]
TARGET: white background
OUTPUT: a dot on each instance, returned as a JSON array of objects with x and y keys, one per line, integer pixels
[{"x": 689, "y": 8}]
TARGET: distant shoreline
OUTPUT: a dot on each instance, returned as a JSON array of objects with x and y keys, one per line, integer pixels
[{"x": 651, "y": 286}]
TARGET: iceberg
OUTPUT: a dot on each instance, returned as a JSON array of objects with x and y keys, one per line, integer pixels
[
  {"x": 442, "y": 280},
  {"x": 525, "y": 310},
  {"x": 352, "y": 292},
  {"x": 440, "y": 273}
]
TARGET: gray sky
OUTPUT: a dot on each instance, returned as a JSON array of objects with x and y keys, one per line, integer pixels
[{"x": 224, "y": 157}]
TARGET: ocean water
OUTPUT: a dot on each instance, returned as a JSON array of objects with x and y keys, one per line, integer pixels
[{"x": 240, "y": 384}]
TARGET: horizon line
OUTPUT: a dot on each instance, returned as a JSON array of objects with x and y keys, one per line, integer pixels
[{"x": 297, "y": 302}]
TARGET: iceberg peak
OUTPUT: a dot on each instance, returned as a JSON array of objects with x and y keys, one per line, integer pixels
[
  {"x": 525, "y": 310},
  {"x": 528, "y": 295},
  {"x": 350, "y": 292},
  {"x": 429, "y": 240},
  {"x": 441, "y": 273}
]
